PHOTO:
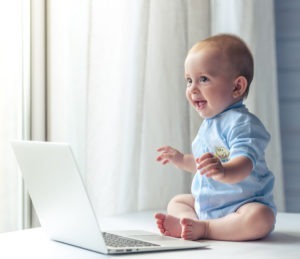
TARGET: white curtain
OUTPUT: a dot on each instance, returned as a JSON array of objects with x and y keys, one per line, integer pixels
[
  {"x": 11, "y": 74},
  {"x": 136, "y": 100},
  {"x": 23, "y": 101},
  {"x": 109, "y": 80},
  {"x": 116, "y": 93}
]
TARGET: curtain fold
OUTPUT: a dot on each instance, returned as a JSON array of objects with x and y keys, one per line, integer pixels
[
  {"x": 137, "y": 101},
  {"x": 67, "y": 74},
  {"x": 11, "y": 73}
]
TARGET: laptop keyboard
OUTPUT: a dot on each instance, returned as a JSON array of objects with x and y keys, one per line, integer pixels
[{"x": 119, "y": 241}]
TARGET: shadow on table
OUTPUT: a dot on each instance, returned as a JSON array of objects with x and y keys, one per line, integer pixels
[{"x": 283, "y": 238}]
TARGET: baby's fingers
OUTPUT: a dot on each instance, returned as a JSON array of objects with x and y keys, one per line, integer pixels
[
  {"x": 161, "y": 149},
  {"x": 163, "y": 158},
  {"x": 204, "y": 157},
  {"x": 206, "y": 160},
  {"x": 210, "y": 170}
]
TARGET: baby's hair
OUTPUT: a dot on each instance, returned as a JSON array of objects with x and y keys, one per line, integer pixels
[{"x": 235, "y": 51}]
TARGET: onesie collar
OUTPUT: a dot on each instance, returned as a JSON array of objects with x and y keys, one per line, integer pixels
[{"x": 236, "y": 105}]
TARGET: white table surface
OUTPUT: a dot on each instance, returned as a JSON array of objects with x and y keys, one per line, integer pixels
[{"x": 283, "y": 243}]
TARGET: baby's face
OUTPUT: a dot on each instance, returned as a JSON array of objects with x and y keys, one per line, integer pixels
[{"x": 210, "y": 82}]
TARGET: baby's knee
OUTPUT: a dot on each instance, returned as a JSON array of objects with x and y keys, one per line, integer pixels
[
  {"x": 182, "y": 199},
  {"x": 261, "y": 219},
  {"x": 176, "y": 199}
]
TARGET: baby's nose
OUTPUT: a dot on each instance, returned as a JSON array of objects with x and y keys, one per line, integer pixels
[{"x": 194, "y": 88}]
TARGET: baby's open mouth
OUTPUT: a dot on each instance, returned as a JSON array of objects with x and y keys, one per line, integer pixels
[{"x": 200, "y": 104}]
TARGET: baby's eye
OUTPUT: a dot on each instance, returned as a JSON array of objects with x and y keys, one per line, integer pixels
[
  {"x": 203, "y": 79},
  {"x": 188, "y": 82}
]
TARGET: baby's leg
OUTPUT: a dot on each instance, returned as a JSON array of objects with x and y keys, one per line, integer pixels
[
  {"x": 181, "y": 206},
  {"x": 251, "y": 221}
]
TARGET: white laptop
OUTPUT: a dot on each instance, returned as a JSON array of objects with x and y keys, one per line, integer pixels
[{"x": 63, "y": 207}]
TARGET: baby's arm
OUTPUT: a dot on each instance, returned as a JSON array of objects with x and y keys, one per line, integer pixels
[
  {"x": 233, "y": 171},
  {"x": 185, "y": 162}
]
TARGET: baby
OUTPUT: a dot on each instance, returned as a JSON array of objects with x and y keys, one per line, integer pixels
[{"x": 231, "y": 194}]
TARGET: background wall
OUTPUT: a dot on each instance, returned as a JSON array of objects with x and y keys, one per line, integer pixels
[{"x": 287, "y": 16}]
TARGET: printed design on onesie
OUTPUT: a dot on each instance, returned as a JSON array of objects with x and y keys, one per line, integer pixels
[{"x": 222, "y": 153}]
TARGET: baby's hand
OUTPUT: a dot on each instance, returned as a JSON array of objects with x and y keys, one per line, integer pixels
[
  {"x": 169, "y": 154},
  {"x": 210, "y": 166}
]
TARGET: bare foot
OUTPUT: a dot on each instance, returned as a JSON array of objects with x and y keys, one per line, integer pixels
[
  {"x": 168, "y": 225},
  {"x": 193, "y": 229}
]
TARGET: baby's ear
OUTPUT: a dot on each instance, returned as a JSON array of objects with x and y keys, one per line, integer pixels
[{"x": 240, "y": 87}]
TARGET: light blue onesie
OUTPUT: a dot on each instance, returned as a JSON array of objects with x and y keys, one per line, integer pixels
[{"x": 232, "y": 133}]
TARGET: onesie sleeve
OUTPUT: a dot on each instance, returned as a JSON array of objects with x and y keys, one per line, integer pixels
[{"x": 248, "y": 138}]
